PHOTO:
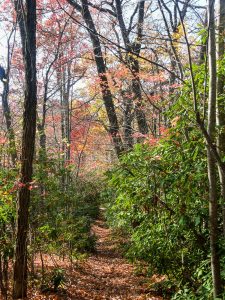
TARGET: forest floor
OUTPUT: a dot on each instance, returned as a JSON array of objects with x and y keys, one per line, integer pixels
[{"x": 103, "y": 275}]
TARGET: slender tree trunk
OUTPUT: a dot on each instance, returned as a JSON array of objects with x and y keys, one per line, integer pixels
[
  {"x": 41, "y": 127},
  {"x": 67, "y": 91},
  {"x": 64, "y": 81},
  {"x": 66, "y": 117},
  {"x": 203, "y": 48},
  {"x": 127, "y": 120},
  {"x": 6, "y": 107},
  {"x": 175, "y": 59},
  {"x": 213, "y": 197},
  {"x": 136, "y": 87},
  {"x": 106, "y": 93},
  {"x": 101, "y": 68},
  {"x": 133, "y": 62},
  {"x": 27, "y": 24},
  {"x": 8, "y": 119},
  {"x": 221, "y": 99},
  {"x": 60, "y": 79},
  {"x": 41, "y": 124}
]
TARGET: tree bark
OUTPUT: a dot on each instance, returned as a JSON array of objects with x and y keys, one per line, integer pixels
[
  {"x": 221, "y": 99},
  {"x": 213, "y": 197},
  {"x": 26, "y": 15}
]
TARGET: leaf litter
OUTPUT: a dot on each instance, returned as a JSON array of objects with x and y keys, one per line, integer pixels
[{"x": 104, "y": 275}]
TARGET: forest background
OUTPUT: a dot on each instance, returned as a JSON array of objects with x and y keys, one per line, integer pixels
[{"x": 117, "y": 104}]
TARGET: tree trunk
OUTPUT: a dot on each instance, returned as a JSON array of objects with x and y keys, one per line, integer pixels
[
  {"x": 127, "y": 122},
  {"x": 101, "y": 68},
  {"x": 41, "y": 124},
  {"x": 203, "y": 48},
  {"x": 27, "y": 24},
  {"x": 213, "y": 197},
  {"x": 175, "y": 59},
  {"x": 6, "y": 107},
  {"x": 133, "y": 62},
  {"x": 7, "y": 116},
  {"x": 136, "y": 86},
  {"x": 66, "y": 102},
  {"x": 221, "y": 99},
  {"x": 41, "y": 127}
]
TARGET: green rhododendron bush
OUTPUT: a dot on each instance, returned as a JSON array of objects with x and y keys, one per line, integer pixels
[{"x": 157, "y": 197}]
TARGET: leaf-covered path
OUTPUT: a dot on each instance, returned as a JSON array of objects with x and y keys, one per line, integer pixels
[{"x": 104, "y": 275}]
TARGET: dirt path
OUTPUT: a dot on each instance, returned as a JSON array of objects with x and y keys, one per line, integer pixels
[{"x": 104, "y": 275}]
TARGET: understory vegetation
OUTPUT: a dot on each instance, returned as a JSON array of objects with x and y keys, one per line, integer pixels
[
  {"x": 157, "y": 198},
  {"x": 60, "y": 220}
]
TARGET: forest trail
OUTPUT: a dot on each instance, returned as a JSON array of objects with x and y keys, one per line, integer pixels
[{"x": 104, "y": 275}]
